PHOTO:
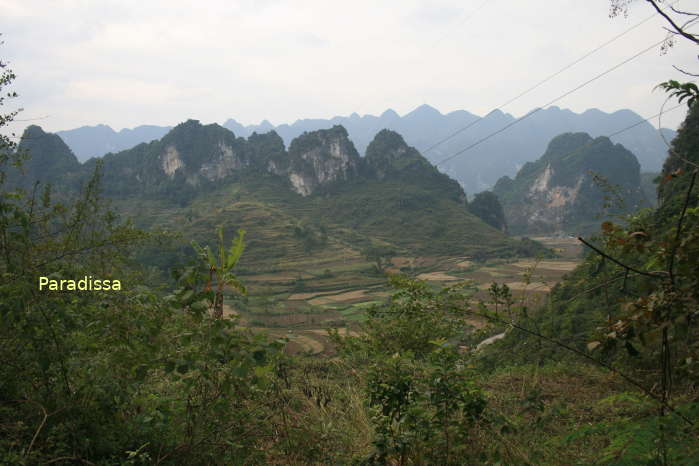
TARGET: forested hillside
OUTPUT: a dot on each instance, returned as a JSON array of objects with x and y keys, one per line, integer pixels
[{"x": 577, "y": 182}]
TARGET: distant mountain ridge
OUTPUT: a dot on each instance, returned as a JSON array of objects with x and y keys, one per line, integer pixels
[
  {"x": 96, "y": 141},
  {"x": 475, "y": 170},
  {"x": 503, "y": 154}
]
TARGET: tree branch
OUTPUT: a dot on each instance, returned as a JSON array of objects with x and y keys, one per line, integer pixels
[
  {"x": 607, "y": 366},
  {"x": 671, "y": 263},
  {"x": 685, "y": 72},
  {"x": 679, "y": 30},
  {"x": 680, "y": 12},
  {"x": 627, "y": 267}
]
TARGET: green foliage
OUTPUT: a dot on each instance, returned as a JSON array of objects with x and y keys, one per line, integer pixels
[
  {"x": 682, "y": 91},
  {"x": 424, "y": 411},
  {"x": 114, "y": 376},
  {"x": 649, "y": 440},
  {"x": 380, "y": 255},
  {"x": 487, "y": 207},
  {"x": 424, "y": 398},
  {"x": 682, "y": 159},
  {"x": 501, "y": 297},
  {"x": 220, "y": 268}
]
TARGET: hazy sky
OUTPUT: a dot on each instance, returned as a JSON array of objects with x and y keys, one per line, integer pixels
[{"x": 126, "y": 63}]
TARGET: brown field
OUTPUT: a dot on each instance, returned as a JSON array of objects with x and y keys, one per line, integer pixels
[
  {"x": 437, "y": 277},
  {"x": 565, "y": 266}
]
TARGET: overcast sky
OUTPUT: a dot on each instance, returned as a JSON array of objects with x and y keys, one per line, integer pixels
[{"x": 125, "y": 63}]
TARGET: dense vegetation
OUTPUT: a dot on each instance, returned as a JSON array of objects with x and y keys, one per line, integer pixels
[
  {"x": 487, "y": 207},
  {"x": 605, "y": 371}
]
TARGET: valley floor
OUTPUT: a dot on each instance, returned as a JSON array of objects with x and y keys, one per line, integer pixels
[{"x": 302, "y": 305}]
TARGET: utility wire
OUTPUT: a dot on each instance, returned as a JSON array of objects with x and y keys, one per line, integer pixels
[
  {"x": 466, "y": 19},
  {"x": 565, "y": 94},
  {"x": 545, "y": 80},
  {"x": 592, "y": 143}
]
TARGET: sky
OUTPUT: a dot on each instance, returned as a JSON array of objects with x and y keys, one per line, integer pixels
[{"x": 126, "y": 63}]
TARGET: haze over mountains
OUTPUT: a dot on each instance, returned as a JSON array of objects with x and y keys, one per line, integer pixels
[{"x": 475, "y": 170}]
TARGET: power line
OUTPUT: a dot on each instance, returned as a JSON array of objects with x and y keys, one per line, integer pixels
[
  {"x": 468, "y": 17},
  {"x": 545, "y": 80},
  {"x": 592, "y": 143},
  {"x": 565, "y": 94}
]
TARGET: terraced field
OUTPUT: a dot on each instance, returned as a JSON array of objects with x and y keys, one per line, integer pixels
[{"x": 335, "y": 293}]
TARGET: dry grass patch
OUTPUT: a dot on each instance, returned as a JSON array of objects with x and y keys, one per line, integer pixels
[
  {"x": 343, "y": 331},
  {"x": 563, "y": 266},
  {"x": 521, "y": 286},
  {"x": 437, "y": 277}
]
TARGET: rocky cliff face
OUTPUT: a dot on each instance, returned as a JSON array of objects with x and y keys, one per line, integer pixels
[
  {"x": 570, "y": 186},
  {"x": 320, "y": 158},
  {"x": 201, "y": 152},
  {"x": 192, "y": 155}
]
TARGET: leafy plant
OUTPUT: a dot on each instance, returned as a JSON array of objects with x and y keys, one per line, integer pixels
[{"x": 220, "y": 268}]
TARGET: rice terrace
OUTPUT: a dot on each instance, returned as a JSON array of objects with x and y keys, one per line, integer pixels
[{"x": 329, "y": 301}]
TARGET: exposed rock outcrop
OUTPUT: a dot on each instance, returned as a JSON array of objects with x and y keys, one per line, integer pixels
[
  {"x": 320, "y": 158},
  {"x": 195, "y": 156},
  {"x": 572, "y": 186}
]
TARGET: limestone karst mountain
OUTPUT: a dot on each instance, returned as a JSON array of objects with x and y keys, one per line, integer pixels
[
  {"x": 475, "y": 170},
  {"x": 49, "y": 161},
  {"x": 319, "y": 192},
  {"x": 576, "y": 182}
]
